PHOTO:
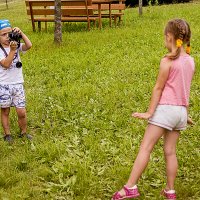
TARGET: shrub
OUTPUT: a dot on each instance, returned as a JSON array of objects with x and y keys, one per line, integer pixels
[{"x": 153, "y": 2}]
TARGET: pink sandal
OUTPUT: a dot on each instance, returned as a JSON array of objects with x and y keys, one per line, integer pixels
[
  {"x": 169, "y": 195},
  {"x": 129, "y": 193}
]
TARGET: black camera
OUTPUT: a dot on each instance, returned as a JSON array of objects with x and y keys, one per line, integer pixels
[{"x": 15, "y": 36}]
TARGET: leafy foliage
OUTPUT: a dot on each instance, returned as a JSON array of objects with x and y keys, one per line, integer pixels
[{"x": 132, "y": 3}]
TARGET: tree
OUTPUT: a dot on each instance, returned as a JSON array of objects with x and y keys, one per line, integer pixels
[
  {"x": 7, "y": 4},
  {"x": 140, "y": 7},
  {"x": 58, "y": 24}
]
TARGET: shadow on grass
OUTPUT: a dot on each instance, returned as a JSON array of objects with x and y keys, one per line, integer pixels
[{"x": 71, "y": 27}]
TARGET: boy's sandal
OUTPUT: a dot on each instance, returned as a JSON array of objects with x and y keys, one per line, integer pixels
[
  {"x": 129, "y": 193},
  {"x": 8, "y": 138},
  {"x": 28, "y": 136}
]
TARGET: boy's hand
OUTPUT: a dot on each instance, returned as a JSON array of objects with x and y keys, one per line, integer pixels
[
  {"x": 189, "y": 121},
  {"x": 13, "y": 46},
  {"x": 17, "y": 30},
  {"x": 145, "y": 115}
]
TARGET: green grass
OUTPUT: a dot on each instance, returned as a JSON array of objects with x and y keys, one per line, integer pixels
[{"x": 80, "y": 97}]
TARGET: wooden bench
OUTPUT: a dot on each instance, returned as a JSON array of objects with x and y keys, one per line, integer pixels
[
  {"x": 72, "y": 11},
  {"x": 117, "y": 10}
]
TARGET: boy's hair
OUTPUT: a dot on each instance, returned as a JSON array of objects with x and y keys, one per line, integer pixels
[{"x": 181, "y": 31}]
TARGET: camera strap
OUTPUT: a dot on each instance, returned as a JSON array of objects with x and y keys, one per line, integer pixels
[{"x": 2, "y": 48}]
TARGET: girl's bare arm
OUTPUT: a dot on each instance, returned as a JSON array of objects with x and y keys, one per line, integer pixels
[{"x": 157, "y": 90}]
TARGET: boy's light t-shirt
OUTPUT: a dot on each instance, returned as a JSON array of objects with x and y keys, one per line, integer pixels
[{"x": 11, "y": 75}]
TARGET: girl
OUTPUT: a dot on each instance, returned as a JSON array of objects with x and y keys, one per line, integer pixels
[{"x": 168, "y": 110}]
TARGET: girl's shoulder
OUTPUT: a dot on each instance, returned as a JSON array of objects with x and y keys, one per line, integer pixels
[
  {"x": 187, "y": 57},
  {"x": 190, "y": 57},
  {"x": 165, "y": 61}
]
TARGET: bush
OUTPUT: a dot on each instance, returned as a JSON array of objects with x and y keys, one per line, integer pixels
[{"x": 154, "y": 2}]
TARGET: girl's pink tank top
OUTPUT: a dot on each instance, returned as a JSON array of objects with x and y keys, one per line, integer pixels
[{"x": 177, "y": 87}]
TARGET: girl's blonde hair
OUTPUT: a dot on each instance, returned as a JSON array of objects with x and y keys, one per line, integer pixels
[{"x": 180, "y": 29}]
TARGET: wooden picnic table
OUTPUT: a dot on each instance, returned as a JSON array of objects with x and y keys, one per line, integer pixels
[
  {"x": 100, "y": 2},
  {"x": 72, "y": 11}
]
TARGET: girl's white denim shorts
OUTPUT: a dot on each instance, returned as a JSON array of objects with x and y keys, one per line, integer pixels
[
  {"x": 170, "y": 117},
  {"x": 12, "y": 95}
]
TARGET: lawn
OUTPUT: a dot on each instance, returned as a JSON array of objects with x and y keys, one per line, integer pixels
[{"x": 80, "y": 97}]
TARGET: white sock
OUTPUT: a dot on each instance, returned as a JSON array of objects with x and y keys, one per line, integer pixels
[
  {"x": 170, "y": 191},
  {"x": 131, "y": 188}
]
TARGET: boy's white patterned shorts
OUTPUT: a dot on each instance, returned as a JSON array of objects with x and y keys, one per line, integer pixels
[
  {"x": 12, "y": 95},
  {"x": 170, "y": 117}
]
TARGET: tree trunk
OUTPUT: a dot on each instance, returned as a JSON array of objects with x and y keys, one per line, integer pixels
[
  {"x": 58, "y": 24},
  {"x": 7, "y": 4},
  {"x": 140, "y": 7}
]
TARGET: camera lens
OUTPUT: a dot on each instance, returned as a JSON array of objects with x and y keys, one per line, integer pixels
[
  {"x": 18, "y": 64},
  {"x": 10, "y": 36},
  {"x": 14, "y": 36}
]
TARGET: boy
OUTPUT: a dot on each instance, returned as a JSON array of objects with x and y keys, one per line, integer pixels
[{"x": 11, "y": 78}]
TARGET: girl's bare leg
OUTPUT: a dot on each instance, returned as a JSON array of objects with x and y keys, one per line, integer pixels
[
  {"x": 170, "y": 141},
  {"x": 152, "y": 135}
]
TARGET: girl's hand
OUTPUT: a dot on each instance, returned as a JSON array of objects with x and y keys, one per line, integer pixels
[
  {"x": 189, "y": 121},
  {"x": 145, "y": 115}
]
